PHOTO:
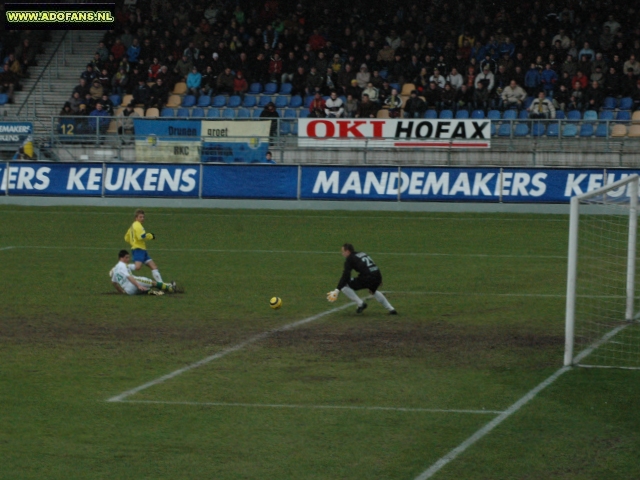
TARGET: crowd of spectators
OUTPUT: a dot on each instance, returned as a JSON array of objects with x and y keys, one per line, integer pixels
[
  {"x": 18, "y": 49},
  {"x": 456, "y": 55}
]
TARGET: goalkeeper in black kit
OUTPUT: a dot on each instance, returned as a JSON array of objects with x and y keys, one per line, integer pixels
[{"x": 370, "y": 278}]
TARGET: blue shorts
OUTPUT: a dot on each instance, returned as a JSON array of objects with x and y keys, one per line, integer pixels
[{"x": 140, "y": 255}]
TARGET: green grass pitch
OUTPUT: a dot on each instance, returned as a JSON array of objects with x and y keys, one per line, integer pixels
[{"x": 481, "y": 322}]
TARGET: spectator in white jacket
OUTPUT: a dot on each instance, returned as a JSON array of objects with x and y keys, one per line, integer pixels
[
  {"x": 487, "y": 78},
  {"x": 455, "y": 79},
  {"x": 542, "y": 107},
  {"x": 513, "y": 95},
  {"x": 437, "y": 78},
  {"x": 334, "y": 106}
]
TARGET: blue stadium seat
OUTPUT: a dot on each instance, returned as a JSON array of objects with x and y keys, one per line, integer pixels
[
  {"x": 285, "y": 128},
  {"x": 290, "y": 113},
  {"x": 560, "y": 115},
  {"x": 477, "y": 114},
  {"x": 250, "y": 101},
  {"x": 510, "y": 115},
  {"x": 304, "y": 113},
  {"x": 255, "y": 88},
  {"x": 624, "y": 115},
  {"x": 570, "y": 130},
  {"x": 204, "y": 101},
  {"x": 219, "y": 101},
  {"x": 626, "y": 103},
  {"x": 116, "y": 100},
  {"x": 285, "y": 89},
  {"x": 522, "y": 130},
  {"x": 590, "y": 116},
  {"x": 280, "y": 112},
  {"x": 213, "y": 113},
  {"x": 494, "y": 115},
  {"x": 282, "y": 101},
  {"x": 610, "y": 103},
  {"x": 197, "y": 112},
  {"x": 307, "y": 101},
  {"x": 606, "y": 115},
  {"x": 504, "y": 130},
  {"x": 527, "y": 102},
  {"x": 270, "y": 88},
  {"x": 188, "y": 101},
  {"x": 523, "y": 115},
  {"x": 263, "y": 101},
  {"x": 538, "y": 129},
  {"x": 574, "y": 115},
  {"x": 234, "y": 101},
  {"x": 295, "y": 102},
  {"x": 493, "y": 130},
  {"x": 552, "y": 130},
  {"x": 586, "y": 130},
  {"x": 244, "y": 113},
  {"x": 432, "y": 114},
  {"x": 396, "y": 86},
  {"x": 446, "y": 114},
  {"x": 294, "y": 129},
  {"x": 602, "y": 130},
  {"x": 167, "y": 112},
  {"x": 384, "y": 73},
  {"x": 229, "y": 113},
  {"x": 183, "y": 112},
  {"x": 462, "y": 114},
  {"x": 255, "y": 112}
]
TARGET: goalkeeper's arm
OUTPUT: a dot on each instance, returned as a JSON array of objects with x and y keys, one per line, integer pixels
[{"x": 148, "y": 236}]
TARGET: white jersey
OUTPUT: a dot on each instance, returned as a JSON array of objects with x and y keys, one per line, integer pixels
[{"x": 120, "y": 274}]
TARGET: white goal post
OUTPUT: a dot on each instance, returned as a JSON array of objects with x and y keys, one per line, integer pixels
[{"x": 602, "y": 329}]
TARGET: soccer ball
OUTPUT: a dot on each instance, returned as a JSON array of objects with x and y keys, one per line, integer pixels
[
  {"x": 111, "y": 273},
  {"x": 275, "y": 303}
]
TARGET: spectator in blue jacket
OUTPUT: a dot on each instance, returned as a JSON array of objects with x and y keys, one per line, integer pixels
[
  {"x": 532, "y": 80},
  {"x": 101, "y": 120},
  {"x": 133, "y": 52},
  {"x": 194, "y": 79},
  {"x": 548, "y": 78},
  {"x": 506, "y": 47}
]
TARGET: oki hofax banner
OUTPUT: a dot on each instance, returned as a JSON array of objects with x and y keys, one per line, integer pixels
[{"x": 393, "y": 133}]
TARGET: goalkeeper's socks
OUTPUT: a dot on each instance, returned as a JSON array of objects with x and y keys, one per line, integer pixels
[
  {"x": 348, "y": 291},
  {"x": 383, "y": 300},
  {"x": 156, "y": 275}
]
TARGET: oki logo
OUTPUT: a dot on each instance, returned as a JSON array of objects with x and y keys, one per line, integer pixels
[{"x": 345, "y": 128}]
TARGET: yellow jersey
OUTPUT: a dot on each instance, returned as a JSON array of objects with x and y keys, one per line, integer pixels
[{"x": 136, "y": 236}]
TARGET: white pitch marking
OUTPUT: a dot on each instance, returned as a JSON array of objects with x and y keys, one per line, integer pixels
[
  {"x": 478, "y": 294},
  {"x": 6, "y": 248},
  {"x": 433, "y": 469},
  {"x": 317, "y": 407},
  {"x": 225, "y": 352},
  {"x": 306, "y": 252},
  {"x": 529, "y": 219}
]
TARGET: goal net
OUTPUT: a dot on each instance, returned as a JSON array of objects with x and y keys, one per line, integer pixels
[{"x": 602, "y": 324}]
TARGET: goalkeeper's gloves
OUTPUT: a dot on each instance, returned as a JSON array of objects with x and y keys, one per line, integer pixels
[
  {"x": 149, "y": 236},
  {"x": 332, "y": 296}
]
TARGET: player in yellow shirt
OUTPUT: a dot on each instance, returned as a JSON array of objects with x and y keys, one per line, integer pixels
[{"x": 137, "y": 237}]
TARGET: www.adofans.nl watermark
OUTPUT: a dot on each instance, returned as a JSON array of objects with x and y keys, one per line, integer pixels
[{"x": 59, "y": 16}]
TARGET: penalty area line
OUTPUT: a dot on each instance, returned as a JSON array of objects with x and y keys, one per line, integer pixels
[
  {"x": 307, "y": 252},
  {"x": 316, "y": 407},
  {"x": 227, "y": 351},
  {"x": 6, "y": 248}
]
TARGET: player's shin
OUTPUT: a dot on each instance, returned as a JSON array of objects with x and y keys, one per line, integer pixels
[
  {"x": 383, "y": 300},
  {"x": 351, "y": 294},
  {"x": 156, "y": 275}
]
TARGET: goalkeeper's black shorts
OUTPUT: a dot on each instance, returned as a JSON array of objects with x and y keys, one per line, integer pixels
[{"x": 369, "y": 282}]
